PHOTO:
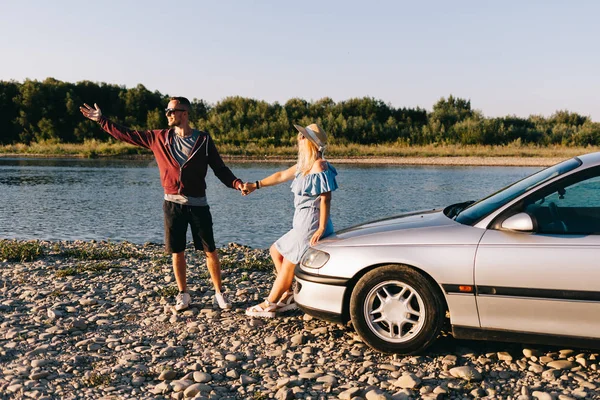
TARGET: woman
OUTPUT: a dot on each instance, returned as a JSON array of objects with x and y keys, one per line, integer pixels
[{"x": 314, "y": 180}]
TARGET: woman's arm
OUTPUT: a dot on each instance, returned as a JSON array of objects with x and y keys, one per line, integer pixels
[
  {"x": 271, "y": 180},
  {"x": 323, "y": 217}
]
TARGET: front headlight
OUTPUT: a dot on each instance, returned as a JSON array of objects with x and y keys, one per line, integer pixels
[{"x": 314, "y": 258}]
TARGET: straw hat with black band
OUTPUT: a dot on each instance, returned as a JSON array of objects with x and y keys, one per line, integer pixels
[{"x": 315, "y": 134}]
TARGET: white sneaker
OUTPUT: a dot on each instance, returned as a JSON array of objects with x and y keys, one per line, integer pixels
[
  {"x": 183, "y": 301},
  {"x": 221, "y": 301}
]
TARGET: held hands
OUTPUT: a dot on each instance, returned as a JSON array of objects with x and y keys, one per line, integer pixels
[
  {"x": 92, "y": 113},
  {"x": 316, "y": 236},
  {"x": 248, "y": 188}
]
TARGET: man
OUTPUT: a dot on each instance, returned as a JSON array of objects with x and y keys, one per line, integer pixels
[{"x": 183, "y": 155}]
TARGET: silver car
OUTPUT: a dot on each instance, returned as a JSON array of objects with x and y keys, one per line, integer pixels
[{"x": 522, "y": 264}]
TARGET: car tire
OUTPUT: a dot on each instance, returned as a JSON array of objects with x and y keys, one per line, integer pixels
[{"x": 395, "y": 309}]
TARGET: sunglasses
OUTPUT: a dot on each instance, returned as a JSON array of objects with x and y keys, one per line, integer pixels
[{"x": 169, "y": 111}]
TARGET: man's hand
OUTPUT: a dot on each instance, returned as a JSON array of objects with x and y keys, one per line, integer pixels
[
  {"x": 248, "y": 188},
  {"x": 91, "y": 113}
]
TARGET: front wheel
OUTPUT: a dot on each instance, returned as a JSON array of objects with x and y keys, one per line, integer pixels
[{"x": 396, "y": 310}]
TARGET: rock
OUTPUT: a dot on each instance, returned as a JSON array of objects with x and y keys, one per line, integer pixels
[
  {"x": 531, "y": 353},
  {"x": 465, "y": 372},
  {"x": 246, "y": 380},
  {"x": 477, "y": 392},
  {"x": 284, "y": 394},
  {"x": 408, "y": 381},
  {"x": 542, "y": 395},
  {"x": 561, "y": 364},
  {"x": 40, "y": 363},
  {"x": 551, "y": 374},
  {"x": 440, "y": 390},
  {"x": 566, "y": 353},
  {"x": 14, "y": 388},
  {"x": 328, "y": 379},
  {"x": 181, "y": 385},
  {"x": 138, "y": 381},
  {"x": 196, "y": 388},
  {"x": 536, "y": 368},
  {"x": 233, "y": 374},
  {"x": 202, "y": 377},
  {"x": 270, "y": 340},
  {"x": 450, "y": 359},
  {"x": 39, "y": 375},
  {"x": 582, "y": 361},
  {"x": 88, "y": 302},
  {"x": 388, "y": 367},
  {"x": 319, "y": 331},
  {"x": 310, "y": 375},
  {"x": 375, "y": 394},
  {"x": 167, "y": 375},
  {"x": 297, "y": 339},
  {"x": 349, "y": 393},
  {"x": 78, "y": 324},
  {"x": 546, "y": 359},
  {"x": 55, "y": 314}
]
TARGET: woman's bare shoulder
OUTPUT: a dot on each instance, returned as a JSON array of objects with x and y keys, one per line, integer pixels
[{"x": 320, "y": 165}]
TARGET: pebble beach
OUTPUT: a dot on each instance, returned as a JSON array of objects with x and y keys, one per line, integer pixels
[{"x": 93, "y": 320}]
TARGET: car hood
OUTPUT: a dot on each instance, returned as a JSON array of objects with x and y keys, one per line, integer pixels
[{"x": 423, "y": 227}]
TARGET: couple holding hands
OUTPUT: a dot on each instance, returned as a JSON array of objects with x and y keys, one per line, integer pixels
[{"x": 183, "y": 156}]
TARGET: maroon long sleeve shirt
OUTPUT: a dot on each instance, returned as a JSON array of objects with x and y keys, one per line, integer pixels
[{"x": 187, "y": 179}]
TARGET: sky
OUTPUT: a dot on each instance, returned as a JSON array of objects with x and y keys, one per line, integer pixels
[{"x": 508, "y": 57}]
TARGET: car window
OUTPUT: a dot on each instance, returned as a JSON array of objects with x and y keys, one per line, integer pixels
[
  {"x": 581, "y": 194},
  {"x": 570, "y": 206},
  {"x": 475, "y": 212}
]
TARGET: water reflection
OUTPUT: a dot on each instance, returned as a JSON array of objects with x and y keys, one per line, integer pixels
[{"x": 29, "y": 180}]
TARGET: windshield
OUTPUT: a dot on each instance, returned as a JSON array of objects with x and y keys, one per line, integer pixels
[{"x": 480, "y": 209}]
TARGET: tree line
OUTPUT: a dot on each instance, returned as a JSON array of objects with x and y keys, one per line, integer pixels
[{"x": 34, "y": 111}]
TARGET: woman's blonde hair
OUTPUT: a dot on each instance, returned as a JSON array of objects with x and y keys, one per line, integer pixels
[{"x": 308, "y": 153}]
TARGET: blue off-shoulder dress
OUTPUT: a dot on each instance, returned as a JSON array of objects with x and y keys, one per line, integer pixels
[{"x": 307, "y": 189}]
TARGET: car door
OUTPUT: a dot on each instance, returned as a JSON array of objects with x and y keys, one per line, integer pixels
[{"x": 546, "y": 281}]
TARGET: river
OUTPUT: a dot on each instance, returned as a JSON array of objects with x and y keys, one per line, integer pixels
[{"x": 117, "y": 200}]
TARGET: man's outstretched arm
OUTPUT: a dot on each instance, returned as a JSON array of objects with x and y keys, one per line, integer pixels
[{"x": 119, "y": 132}]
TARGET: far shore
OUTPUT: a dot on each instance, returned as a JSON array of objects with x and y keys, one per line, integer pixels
[
  {"x": 435, "y": 160},
  {"x": 376, "y": 160},
  {"x": 513, "y": 154}
]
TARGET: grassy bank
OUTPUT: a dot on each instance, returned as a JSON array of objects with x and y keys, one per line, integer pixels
[{"x": 94, "y": 149}]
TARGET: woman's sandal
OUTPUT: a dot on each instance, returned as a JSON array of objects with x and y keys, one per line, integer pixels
[
  {"x": 265, "y": 309},
  {"x": 286, "y": 302}
]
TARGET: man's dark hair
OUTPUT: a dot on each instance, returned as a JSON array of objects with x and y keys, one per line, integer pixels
[{"x": 183, "y": 101}]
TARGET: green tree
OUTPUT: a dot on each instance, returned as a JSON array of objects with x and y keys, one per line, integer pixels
[
  {"x": 9, "y": 112},
  {"x": 447, "y": 113}
]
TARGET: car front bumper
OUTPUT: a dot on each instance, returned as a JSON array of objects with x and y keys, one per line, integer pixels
[{"x": 320, "y": 296}]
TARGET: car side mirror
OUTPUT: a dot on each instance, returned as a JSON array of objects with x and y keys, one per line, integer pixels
[{"x": 521, "y": 222}]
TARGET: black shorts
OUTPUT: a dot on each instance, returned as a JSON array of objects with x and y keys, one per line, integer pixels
[{"x": 177, "y": 218}]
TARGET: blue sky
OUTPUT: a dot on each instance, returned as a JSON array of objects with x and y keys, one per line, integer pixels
[{"x": 508, "y": 57}]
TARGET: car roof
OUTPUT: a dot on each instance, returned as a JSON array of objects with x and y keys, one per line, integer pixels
[{"x": 590, "y": 159}]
